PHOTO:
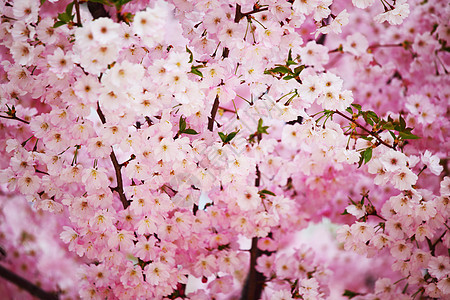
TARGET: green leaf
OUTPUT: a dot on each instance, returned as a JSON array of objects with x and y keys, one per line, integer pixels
[
  {"x": 349, "y": 110},
  {"x": 59, "y": 23},
  {"x": 288, "y": 77},
  {"x": 367, "y": 155},
  {"x": 290, "y": 55},
  {"x": 262, "y": 192},
  {"x": 408, "y": 136},
  {"x": 64, "y": 17},
  {"x": 299, "y": 69},
  {"x": 388, "y": 126},
  {"x": 373, "y": 116},
  {"x": 182, "y": 124},
  {"x": 223, "y": 136},
  {"x": 191, "y": 56},
  {"x": 42, "y": 2},
  {"x": 402, "y": 123},
  {"x": 231, "y": 136},
  {"x": 350, "y": 294},
  {"x": 367, "y": 118},
  {"x": 357, "y": 106},
  {"x": 261, "y": 128},
  {"x": 360, "y": 162},
  {"x": 392, "y": 134},
  {"x": 195, "y": 71},
  {"x": 279, "y": 69},
  {"x": 190, "y": 131},
  {"x": 69, "y": 8},
  {"x": 345, "y": 213}
]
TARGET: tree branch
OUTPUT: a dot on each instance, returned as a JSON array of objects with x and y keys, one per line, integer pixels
[
  {"x": 213, "y": 114},
  {"x": 117, "y": 167},
  {"x": 239, "y": 14},
  {"x": 365, "y": 129},
  {"x": 15, "y": 118},
  {"x": 24, "y": 284},
  {"x": 254, "y": 284},
  {"x": 77, "y": 11}
]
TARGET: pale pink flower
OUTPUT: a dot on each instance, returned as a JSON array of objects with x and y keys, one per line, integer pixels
[
  {"x": 393, "y": 160},
  {"x": 432, "y": 162},
  {"x": 95, "y": 178},
  {"x": 394, "y": 16},
  {"x": 104, "y": 30},
  {"x": 397, "y": 227},
  {"x": 248, "y": 198},
  {"x": 205, "y": 265},
  {"x": 221, "y": 284},
  {"x": 425, "y": 210},
  {"x": 402, "y": 204},
  {"x": 281, "y": 295},
  {"x": 423, "y": 231},
  {"x": 310, "y": 88},
  {"x": 49, "y": 205},
  {"x": 357, "y": 211},
  {"x": 363, "y": 3},
  {"x": 132, "y": 276},
  {"x": 420, "y": 258},
  {"x": 145, "y": 248},
  {"x": 26, "y": 10},
  {"x": 101, "y": 221},
  {"x": 380, "y": 240},
  {"x": 401, "y": 250},
  {"x": 439, "y": 267},
  {"x": 404, "y": 178},
  {"x": 305, "y": 7},
  {"x": 444, "y": 285},
  {"x": 445, "y": 186},
  {"x": 60, "y": 62},
  {"x": 266, "y": 264},
  {"x": 146, "y": 226},
  {"x": 384, "y": 285},
  {"x": 356, "y": 44},
  {"x": 28, "y": 183},
  {"x": 156, "y": 273},
  {"x": 23, "y": 53},
  {"x": 122, "y": 239},
  {"x": 362, "y": 231}
]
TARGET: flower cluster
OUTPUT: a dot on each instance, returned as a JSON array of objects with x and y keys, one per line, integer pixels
[{"x": 154, "y": 140}]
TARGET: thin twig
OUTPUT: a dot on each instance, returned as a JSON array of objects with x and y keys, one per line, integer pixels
[
  {"x": 15, "y": 118},
  {"x": 117, "y": 167},
  {"x": 365, "y": 129}
]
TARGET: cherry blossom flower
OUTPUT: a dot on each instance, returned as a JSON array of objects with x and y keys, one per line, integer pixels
[{"x": 394, "y": 16}]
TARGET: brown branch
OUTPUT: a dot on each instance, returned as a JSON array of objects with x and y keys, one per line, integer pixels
[
  {"x": 77, "y": 10},
  {"x": 239, "y": 14},
  {"x": 26, "y": 285},
  {"x": 15, "y": 118},
  {"x": 227, "y": 110},
  {"x": 117, "y": 167},
  {"x": 254, "y": 283},
  {"x": 213, "y": 114},
  {"x": 365, "y": 129}
]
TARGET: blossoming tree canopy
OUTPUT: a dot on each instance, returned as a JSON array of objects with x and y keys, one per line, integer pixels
[{"x": 185, "y": 149}]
